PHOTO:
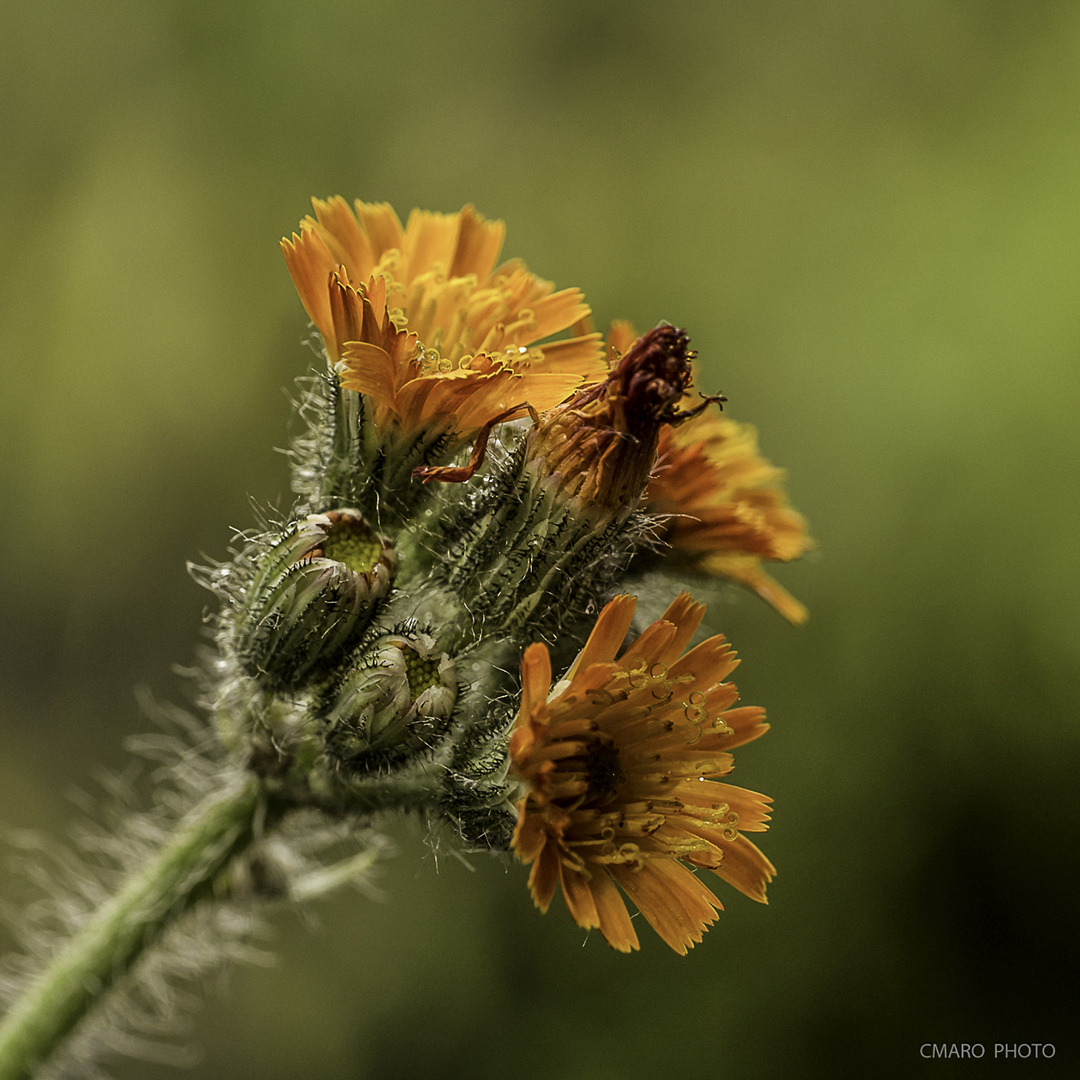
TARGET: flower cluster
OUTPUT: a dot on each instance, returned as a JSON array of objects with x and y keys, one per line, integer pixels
[
  {"x": 479, "y": 475},
  {"x": 482, "y": 475}
]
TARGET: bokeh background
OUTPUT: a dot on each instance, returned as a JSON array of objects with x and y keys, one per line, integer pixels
[{"x": 868, "y": 216}]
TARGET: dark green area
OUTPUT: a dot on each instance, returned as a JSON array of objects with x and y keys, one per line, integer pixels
[{"x": 867, "y": 216}]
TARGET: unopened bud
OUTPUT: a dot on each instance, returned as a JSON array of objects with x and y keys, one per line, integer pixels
[
  {"x": 312, "y": 595},
  {"x": 397, "y": 703}
]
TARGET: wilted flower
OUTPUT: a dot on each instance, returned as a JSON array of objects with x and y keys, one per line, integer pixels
[
  {"x": 619, "y": 762},
  {"x": 600, "y": 445},
  {"x": 724, "y": 505}
]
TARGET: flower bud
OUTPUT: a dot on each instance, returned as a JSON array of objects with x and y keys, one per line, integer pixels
[
  {"x": 312, "y": 595},
  {"x": 395, "y": 704}
]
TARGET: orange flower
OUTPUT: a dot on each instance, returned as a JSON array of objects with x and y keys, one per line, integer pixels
[
  {"x": 619, "y": 762},
  {"x": 729, "y": 507},
  {"x": 468, "y": 328}
]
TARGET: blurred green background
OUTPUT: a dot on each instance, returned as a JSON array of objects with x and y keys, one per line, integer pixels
[{"x": 868, "y": 216}]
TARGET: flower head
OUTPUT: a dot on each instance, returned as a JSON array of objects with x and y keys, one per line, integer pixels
[
  {"x": 729, "y": 511},
  {"x": 619, "y": 762},
  {"x": 425, "y": 323}
]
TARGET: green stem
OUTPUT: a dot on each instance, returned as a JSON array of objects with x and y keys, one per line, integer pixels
[{"x": 181, "y": 874}]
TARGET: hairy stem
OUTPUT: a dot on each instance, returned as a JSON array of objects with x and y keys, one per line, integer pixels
[{"x": 183, "y": 872}]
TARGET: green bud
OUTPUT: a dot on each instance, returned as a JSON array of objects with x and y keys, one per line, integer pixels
[
  {"x": 312, "y": 595},
  {"x": 396, "y": 703}
]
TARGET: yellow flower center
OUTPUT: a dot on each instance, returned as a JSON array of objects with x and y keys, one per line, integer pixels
[
  {"x": 351, "y": 542},
  {"x": 421, "y": 671}
]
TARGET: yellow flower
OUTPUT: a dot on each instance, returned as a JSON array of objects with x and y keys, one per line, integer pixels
[
  {"x": 727, "y": 504},
  {"x": 426, "y": 324},
  {"x": 619, "y": 762}
]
